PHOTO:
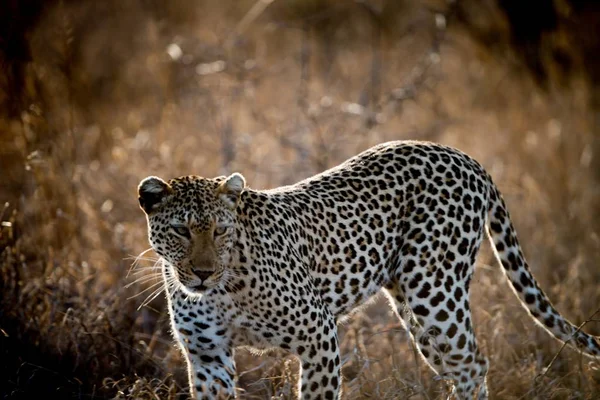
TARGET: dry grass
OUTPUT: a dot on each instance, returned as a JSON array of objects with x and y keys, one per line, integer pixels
[{"x": 116, "y": 91}]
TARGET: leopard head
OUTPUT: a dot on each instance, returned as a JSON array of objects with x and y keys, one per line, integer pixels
[{"x": 191, "y": 225}]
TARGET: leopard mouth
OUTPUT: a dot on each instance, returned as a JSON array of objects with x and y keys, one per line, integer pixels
[{"x": 200, "y": 287}]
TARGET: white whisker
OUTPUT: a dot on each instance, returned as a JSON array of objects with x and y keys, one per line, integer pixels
[
  {"x": 140, "y": 257},
  {"x": 145, "y": 290},
  {"x": 148, "y": 270},
  {"x": 167, "y": 285},
  {"x": 152, "y": 296},
  {"x": 143, "y": 279}
]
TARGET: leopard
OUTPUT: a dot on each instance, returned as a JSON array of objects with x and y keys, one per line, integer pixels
[{"x": 280, "y": 268}]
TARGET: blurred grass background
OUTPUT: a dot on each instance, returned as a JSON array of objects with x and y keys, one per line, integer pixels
[{"x": 94, "y": 96}]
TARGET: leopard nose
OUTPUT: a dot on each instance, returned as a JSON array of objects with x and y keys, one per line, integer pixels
[{"x": 202, "y": 274}]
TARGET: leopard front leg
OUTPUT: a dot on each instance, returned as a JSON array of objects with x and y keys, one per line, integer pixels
[
  {"x": 201, "y": 333},
  {"x": 211, "y": 374},
  {"x": 320, "y": 376}
]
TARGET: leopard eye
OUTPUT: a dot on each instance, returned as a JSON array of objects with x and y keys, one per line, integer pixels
[
  {"x": 182, "y": 231},
  {"x": 220, "y": 230}
]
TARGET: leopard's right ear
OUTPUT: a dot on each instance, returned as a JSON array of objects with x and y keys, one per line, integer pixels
[{"x": 151, "y": 192}]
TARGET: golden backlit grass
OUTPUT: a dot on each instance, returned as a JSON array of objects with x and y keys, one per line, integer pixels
[{"x": 115, "y": 92}]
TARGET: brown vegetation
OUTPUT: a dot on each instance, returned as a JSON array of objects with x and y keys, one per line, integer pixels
[{"x": 97, "y": 95}]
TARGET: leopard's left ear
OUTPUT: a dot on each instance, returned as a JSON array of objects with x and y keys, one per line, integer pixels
[
  {"x": 230, "y": 189},
  {"x": 151, "y": 193}
]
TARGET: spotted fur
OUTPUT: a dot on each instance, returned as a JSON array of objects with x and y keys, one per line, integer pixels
[{"x": 279, "y": 268}]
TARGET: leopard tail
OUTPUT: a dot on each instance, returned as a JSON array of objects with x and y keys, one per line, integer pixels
[{"x": 502, "y": 235}]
